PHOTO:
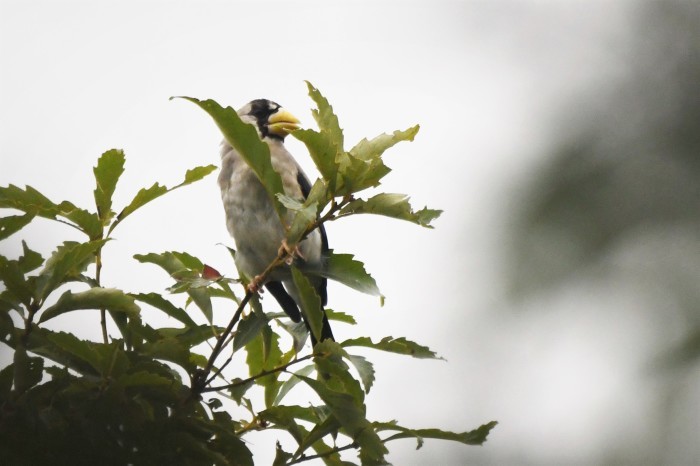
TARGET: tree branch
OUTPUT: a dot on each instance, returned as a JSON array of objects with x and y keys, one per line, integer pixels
[
  {"x": 281, "y": 368},
  {"x": 303, "y": 458}
]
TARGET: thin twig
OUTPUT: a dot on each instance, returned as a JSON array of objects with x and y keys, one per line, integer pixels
[
  {"x": 303, "y": 458},
  {"x": 281, "y": 368}
]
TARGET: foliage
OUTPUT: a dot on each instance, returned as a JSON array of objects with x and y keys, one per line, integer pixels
[{"x": 152, "y": 395}]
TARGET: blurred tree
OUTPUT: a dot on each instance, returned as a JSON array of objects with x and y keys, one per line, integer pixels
[{"x": 620, "y": 196}]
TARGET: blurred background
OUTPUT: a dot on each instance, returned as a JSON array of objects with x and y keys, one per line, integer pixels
[{"x": 561, "y": 139}]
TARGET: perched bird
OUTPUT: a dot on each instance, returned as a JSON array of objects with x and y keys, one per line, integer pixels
[{"x": 252, "y": 220}]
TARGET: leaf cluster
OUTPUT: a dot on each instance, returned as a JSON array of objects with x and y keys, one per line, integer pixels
[{"x": 161, "y": 395}]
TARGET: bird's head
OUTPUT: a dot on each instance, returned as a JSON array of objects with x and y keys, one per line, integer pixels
[{"x": 270, "y": 118}]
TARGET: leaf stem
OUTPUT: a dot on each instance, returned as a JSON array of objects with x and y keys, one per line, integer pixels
[{"x": 303, "y": 458}]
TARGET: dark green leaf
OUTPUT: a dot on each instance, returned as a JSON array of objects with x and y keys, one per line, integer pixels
[
  {"x": 394, "y": 345},
  {"x": 310, "y": 302},
  {"x": 238, "y": 391},
  {"x": 30, "y": 260},
  {"x": 248, "y": 328},
  {"x": 86, "y": 221},
  {"x": 12, "y": 277},
  {"x": 109, "y": 168},
  {"x": 111, "y": 299},
  {"x": 143, "y": 378},
  {"x": 170, "y": 349},
  {"x": 146, "y": 195},
  {"x": 323, "y": 150},
  {"x": 28, "y": 371},
  {"x": 7, "y": 375},
  {"x": 81, "y": 349},
  {"x": 171, "y": 262},
  {"x": 394, "y": 206},
  {"x": 281, "y": 456},
  {"x": 264, "y": 354},
  {"x": 245, "y": 139},
  {"x": 28, "y": 200},
  {"x": 66, "y": 263},
  {"x": 12, "y": 224}
]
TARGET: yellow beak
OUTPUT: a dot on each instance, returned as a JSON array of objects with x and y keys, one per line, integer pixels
[{"x": 282, "y": 123}]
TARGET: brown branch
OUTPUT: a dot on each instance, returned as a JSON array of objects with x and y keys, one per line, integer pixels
[
  {"x": 303, "y": 458},
  {"x": 281, "y": 368}
]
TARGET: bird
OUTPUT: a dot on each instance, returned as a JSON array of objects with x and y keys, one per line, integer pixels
[{"x": 251, "y": 218}]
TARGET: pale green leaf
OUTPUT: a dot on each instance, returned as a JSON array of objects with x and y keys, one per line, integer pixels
[
  {"x": 391, "y": 205},
  {"x": 369, "y": 149},
  {"x": 248, "y": 328},
  {"x": 474, "y": 437},
  {"x": 344, "y": 269},
  {"x": 365, "y": 369},
  {"x": 394, "y": 345}
]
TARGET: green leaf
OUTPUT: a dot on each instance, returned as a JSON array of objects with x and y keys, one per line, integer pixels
[
  {"x": 66, "y": 263},
  {"x": 144, "y": 379},
  {"x": 7, "y": 375},
  {"x": 248, "y": 328},
  {"x": 12, "y": 276},
  {"x": 394, "y": 206},
  {"x": 364, "y": 368},
  {"x": 366, "y": 150},
  {"x": 244, "y": 138},
  {"x": 281, "y": 456},
  {"x": 474, "y": 437},
  {"x": 325, "y": 118},
  {"x": 146, "y": 195},
  {"x": 83, "y": 350},
  {"x": 171, "y": 262},
  {"x": 344, "y": 269},
  {"x": 111, "y": 299},
  {"x": 12, "y": 224},
  {"x": 323, "y": 150},
  {"x": 28, "y": 371},
  {"x": 340, "y": 317},
  {"x": 394, "y": 345},
  {"x": 263, "y": 353},
  {"x": 170, "y": 349},
  {"x": 309, "y": 302},
  {"x": 356, "y": 175},
  {"x": 292, "y": 382},
  {"x": 30, "y": 260},
  {"x": 109, "y": 168},
  {"x": 159, "y": 302},
  {"x": 32, "y": 202}
]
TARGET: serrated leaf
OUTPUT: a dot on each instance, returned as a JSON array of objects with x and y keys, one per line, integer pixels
[
  {"x": 170, "y": 349},
  {"x": 292, "y": 382},
  {"x": 325, "y": 118},
  {"x": 329, "y": 426},
  {"x": 28, "y": 200},
  {"x": 87, "y": 222},
  {"x": 391, "y": 205},
  {"x": 12, "y": 224},
  {"x": 30, "y": 260},
  {"x": 355, "y": 174},
  {"x": 244, "y": 138},
  {"x": 474, "y": 437},
  {"x": 110, "y": 167},
  {"x": 281, "y": 456},
  {"x": 309, "y": 302},
  {"x": 146, "y": 195},
  {"x": 344, "y": 269},
  {"x": 28, "y": 371},
  {"x": 159, "y": 302},
  {"x": 340, "y": 317},
  {"x": 323, "y": 151},
  {"x": 365, "y": 369},
  {"x": 394, "y": 345},
  {"x": 369, "y": 149},
  {"x": 263, "y": 353},
  {"x": 12, "y": 276},
  {"x": 172, "y": 263},
  {"x": 143, "y": 379},
  {"x": 66, "y": 263},
  {"x": 248, "y": 328},
  {"x": 83, "y": 350},
  {"x": 111, "y": 299}
]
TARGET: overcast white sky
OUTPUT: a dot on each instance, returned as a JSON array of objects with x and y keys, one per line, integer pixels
[{"x": 486, "y": 81}]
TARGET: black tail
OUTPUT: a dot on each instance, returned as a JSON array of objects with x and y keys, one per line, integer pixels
[{"x": 289, "y": 306}]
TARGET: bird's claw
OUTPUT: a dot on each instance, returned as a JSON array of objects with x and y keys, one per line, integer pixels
[
  {"x": 255, "y": 284},
  {"x": 289, "y": 253}
]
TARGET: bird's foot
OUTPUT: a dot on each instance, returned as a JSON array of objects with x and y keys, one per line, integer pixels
[
  {"x": 289, "y": 253},
  {"x": 255, "y": 284}
]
